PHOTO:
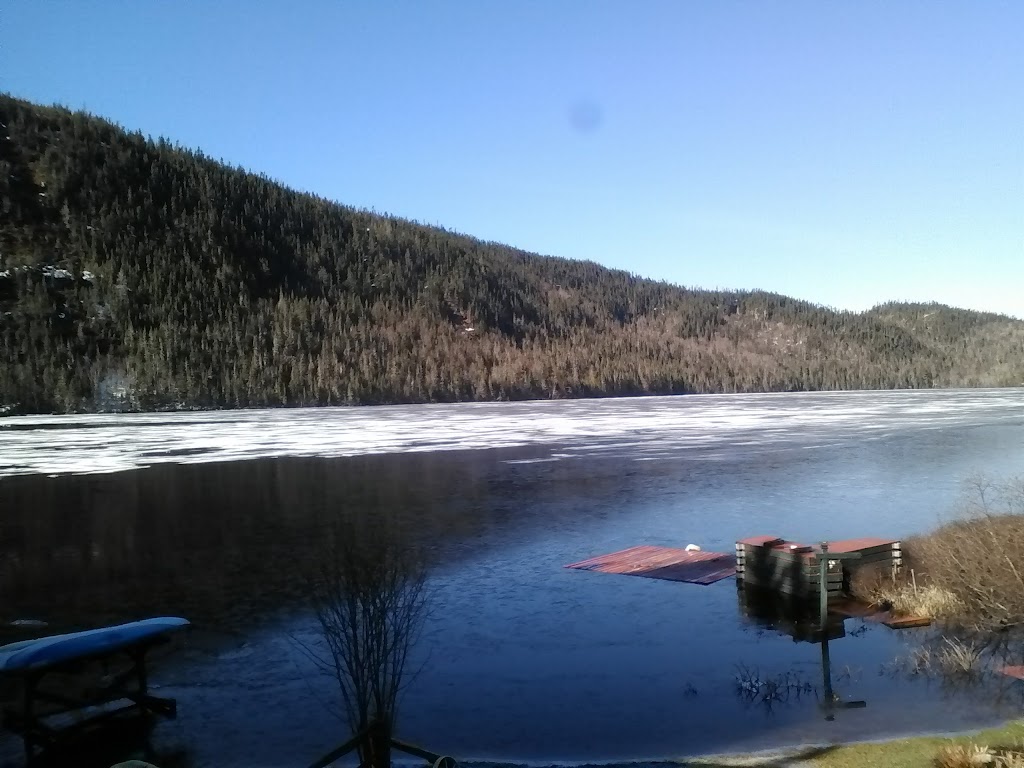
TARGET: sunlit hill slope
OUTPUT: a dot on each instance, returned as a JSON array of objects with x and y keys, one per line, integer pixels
[{"x": 136, "y": 274}]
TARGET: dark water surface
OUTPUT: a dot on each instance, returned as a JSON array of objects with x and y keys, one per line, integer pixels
[{"x": 522, "y": 659}]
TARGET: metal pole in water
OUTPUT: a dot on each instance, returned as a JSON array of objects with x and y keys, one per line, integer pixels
[
  {"x": 826, "y": 675},
  {"x": 823, "y": 585},
  {"x": 826, "y": 662}
]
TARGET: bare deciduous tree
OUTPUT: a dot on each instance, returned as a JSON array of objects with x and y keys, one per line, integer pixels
[{"x": 370, "y": 596}]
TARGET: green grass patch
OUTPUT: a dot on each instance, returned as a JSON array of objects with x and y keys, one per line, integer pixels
[
  {"x": 917, "y": 752},
  {"x": 914, "y": 752}
]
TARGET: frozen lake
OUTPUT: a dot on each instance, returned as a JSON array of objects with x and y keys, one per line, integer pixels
[
  {"x": 208, "y": 514},
  {"x": 640, "y": 429}
]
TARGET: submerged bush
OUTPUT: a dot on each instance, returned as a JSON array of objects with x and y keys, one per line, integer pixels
[{"x": 958, "y": 657}]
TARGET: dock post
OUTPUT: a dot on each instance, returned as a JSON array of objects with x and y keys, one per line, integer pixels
[
  {"x": 826, "y": 678},
  {"x": 823, "y": 585},
  {"x": 378, "y": 743}
]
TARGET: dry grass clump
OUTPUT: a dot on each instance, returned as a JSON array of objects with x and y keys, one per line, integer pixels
[
  {"x": 959, "y": 658},
  {"x": 931, "y": 601},
  {"x": 973, "y": 756},
  {"x": 964, "y": 756},
  {"x": 903, "y": 596},
  {"x": 953, "y": 659}
]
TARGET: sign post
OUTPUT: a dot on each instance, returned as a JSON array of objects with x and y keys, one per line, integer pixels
[
  {"x": 831, "y": 702},
  {"x": 823, "y": 559}
]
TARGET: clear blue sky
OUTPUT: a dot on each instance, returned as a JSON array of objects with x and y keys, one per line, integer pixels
[{"x": 843, "y": 152}]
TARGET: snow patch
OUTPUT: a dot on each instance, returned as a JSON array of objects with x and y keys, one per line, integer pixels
[{"x": 57, "y": 273}]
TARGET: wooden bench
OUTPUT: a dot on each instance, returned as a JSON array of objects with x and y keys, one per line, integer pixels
[{"x": 71, "y": 682}]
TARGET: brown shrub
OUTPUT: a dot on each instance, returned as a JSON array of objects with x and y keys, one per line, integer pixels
[
  {"x": 872, "y": 583},
  {"x": 970, "y": 570},
  {"x": 978, "y": 558}
]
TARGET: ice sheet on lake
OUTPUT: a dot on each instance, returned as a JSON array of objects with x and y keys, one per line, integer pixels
[{"x": 634, "y": 428}]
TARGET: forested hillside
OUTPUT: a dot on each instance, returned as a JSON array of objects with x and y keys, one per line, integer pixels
[{"x": 138, "y": 274}]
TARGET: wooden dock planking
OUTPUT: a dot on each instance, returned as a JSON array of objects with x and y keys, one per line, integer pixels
[
  {"x": 851, "y": 608},
  {"x": 863, "y": 544},
  {"x": 666, "y": 563},
  {"x": 760, "y": 541},
  {"x": 795, "y": 568},
  {"x": 908, "y": 622},
  {"x": 1013, "y": 670}
]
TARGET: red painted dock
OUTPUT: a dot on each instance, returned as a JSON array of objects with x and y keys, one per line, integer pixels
[
  {"x": 793, "y": 568},
  {"x": 665, "y": 563},
  {"x": 850, "y": 608},
  {"x": 898, "y": 622},
  {"x": 1013, "y": 670},
  {"x": 861, "y": 544}
]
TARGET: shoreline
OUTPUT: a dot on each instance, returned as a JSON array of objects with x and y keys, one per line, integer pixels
[
  {"x": 771, "y": 756},
  {"x": 10, "y": 410}
]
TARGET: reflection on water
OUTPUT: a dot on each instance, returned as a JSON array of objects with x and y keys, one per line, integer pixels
[
  {"x": 791, "y": 615},
  {"x": 223, "y": 543},
  {"x": 965, "y": 664},
  {"x": 800, "y": 619},
  {"x": 522, "y": 659}
]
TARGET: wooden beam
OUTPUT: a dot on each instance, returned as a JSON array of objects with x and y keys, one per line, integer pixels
[
  {"x": 410, "y": 749},
  {"x": 338, "y": 752}
]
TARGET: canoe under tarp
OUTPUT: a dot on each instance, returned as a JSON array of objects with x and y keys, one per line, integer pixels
[
  {"x": 58, "y": 677},
  {"x": 48, "y": 651}
]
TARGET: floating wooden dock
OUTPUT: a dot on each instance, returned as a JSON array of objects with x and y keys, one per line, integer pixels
[
  {"x": 665, "y": 563},
  {"x": 872, "y": 551},
  {"x": 768, "y": 562},
  {"x": 907, "y": 622},
  {"x": 1013, "y": 670},
  {"x": 773, "y": 563},
  {"x": 851, "y": 608},
  {"x": 792, "y": 568}
]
